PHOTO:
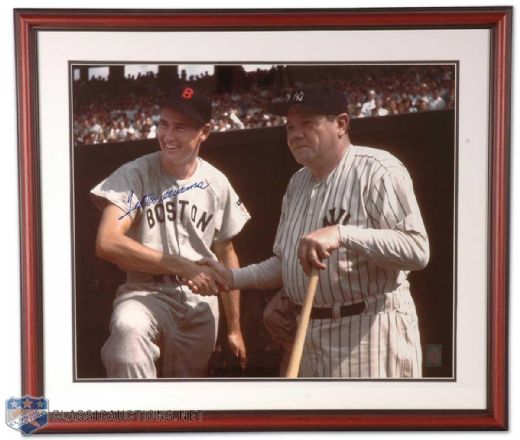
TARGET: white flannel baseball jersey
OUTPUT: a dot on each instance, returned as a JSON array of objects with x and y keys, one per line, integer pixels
[
  {"x": 173, "y": 216},
  {"x": 176, "y": 217}
]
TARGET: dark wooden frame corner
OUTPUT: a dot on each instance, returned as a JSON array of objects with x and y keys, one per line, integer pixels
[{"x": 497, "y": 19}]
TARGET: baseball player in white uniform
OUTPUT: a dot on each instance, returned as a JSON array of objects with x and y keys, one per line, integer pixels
[
  {"x": 351, "y": 212},
  {"x": 161, "y": 213}
]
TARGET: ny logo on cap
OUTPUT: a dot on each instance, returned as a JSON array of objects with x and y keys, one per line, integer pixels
[
  {"x": 188, "y": 93},
  {"x": 298, "y": 96}
]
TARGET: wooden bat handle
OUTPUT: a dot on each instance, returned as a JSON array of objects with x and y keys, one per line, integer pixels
[{"x": 303, "y": 323}]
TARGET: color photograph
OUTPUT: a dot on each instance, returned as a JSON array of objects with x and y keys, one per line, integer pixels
[{"x": 347, "y": 169}]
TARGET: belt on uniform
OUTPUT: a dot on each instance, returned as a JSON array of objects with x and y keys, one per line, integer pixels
[
  {"x": 159, "y": 278},
  {"x": 328, "y": 312}
]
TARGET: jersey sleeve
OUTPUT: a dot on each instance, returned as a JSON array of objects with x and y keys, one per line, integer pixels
[
  {"x": 398, "y": 237},
  {"x": 122, "y": 188},
  {"x": 232, "y": 215},
  {"x": 392, "y": 203},
  {"x": 264, "y": 275}
]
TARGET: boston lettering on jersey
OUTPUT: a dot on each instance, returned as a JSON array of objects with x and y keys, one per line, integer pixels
[
  {"x": 332, "y": 219},
  {"x": 167, "y": 212},
  {"x": 153, "y": 199}
]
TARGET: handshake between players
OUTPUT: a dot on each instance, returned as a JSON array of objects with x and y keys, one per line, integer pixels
[{"x": 213, "y": 277}]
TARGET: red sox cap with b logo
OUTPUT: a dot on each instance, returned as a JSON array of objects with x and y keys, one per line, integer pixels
[{"x": 191, "y": 101}]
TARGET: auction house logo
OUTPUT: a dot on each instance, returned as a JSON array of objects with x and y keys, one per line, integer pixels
[{"x": 26, "y": 414}]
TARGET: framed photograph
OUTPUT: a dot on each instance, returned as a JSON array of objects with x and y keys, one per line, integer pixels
[{"x": 425, "y": 90}]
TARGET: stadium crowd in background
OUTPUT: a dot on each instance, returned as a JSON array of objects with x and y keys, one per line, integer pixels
[{"x": 103, "y": 113}]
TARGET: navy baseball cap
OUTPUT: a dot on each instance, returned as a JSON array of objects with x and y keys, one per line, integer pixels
[
  {"x": 321, "y": 98},
  {"x": 191, "y": 101}
]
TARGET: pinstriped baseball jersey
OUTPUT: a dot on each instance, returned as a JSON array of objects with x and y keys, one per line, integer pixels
[{"x": 369, "y": 189}]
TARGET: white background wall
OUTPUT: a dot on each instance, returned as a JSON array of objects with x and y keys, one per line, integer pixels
[{"x": 9, "y": 320}]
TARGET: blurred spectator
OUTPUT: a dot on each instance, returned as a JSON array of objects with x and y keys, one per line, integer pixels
[
  {"x": 424, "y": 93},
  {"x": 422, "y": 104},
  {"x": 392, "y": 107},
  {"x": 358, "y": 113},
  {"x": 95, "y": 131},
  {"x": 370, "y": 104},
  {"x": 379, "y": 110},
  {"x": 437, "y": 102},
  {"x": 122, "y": 131},
  {"x": 406, "y": 106},
  {"x": 111, "y": 136}
]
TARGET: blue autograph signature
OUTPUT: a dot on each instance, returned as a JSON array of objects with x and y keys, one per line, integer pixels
[{"x": 153, "y": 199}]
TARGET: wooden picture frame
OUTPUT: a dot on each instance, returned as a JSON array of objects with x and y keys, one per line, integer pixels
[{"x": 498, "y": 20}]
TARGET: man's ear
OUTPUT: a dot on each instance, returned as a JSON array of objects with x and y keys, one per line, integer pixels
[
  {"x": 342, "y": 121},
  {"x": 206, "y": 130}
]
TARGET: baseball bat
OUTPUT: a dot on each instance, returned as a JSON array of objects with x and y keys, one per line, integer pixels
[{"x": 303, "y": 323}]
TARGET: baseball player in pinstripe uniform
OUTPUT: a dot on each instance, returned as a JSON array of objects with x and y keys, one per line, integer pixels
[
  {"x": 352, "y": 213},
  {"x": 161, "y": 213}
]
